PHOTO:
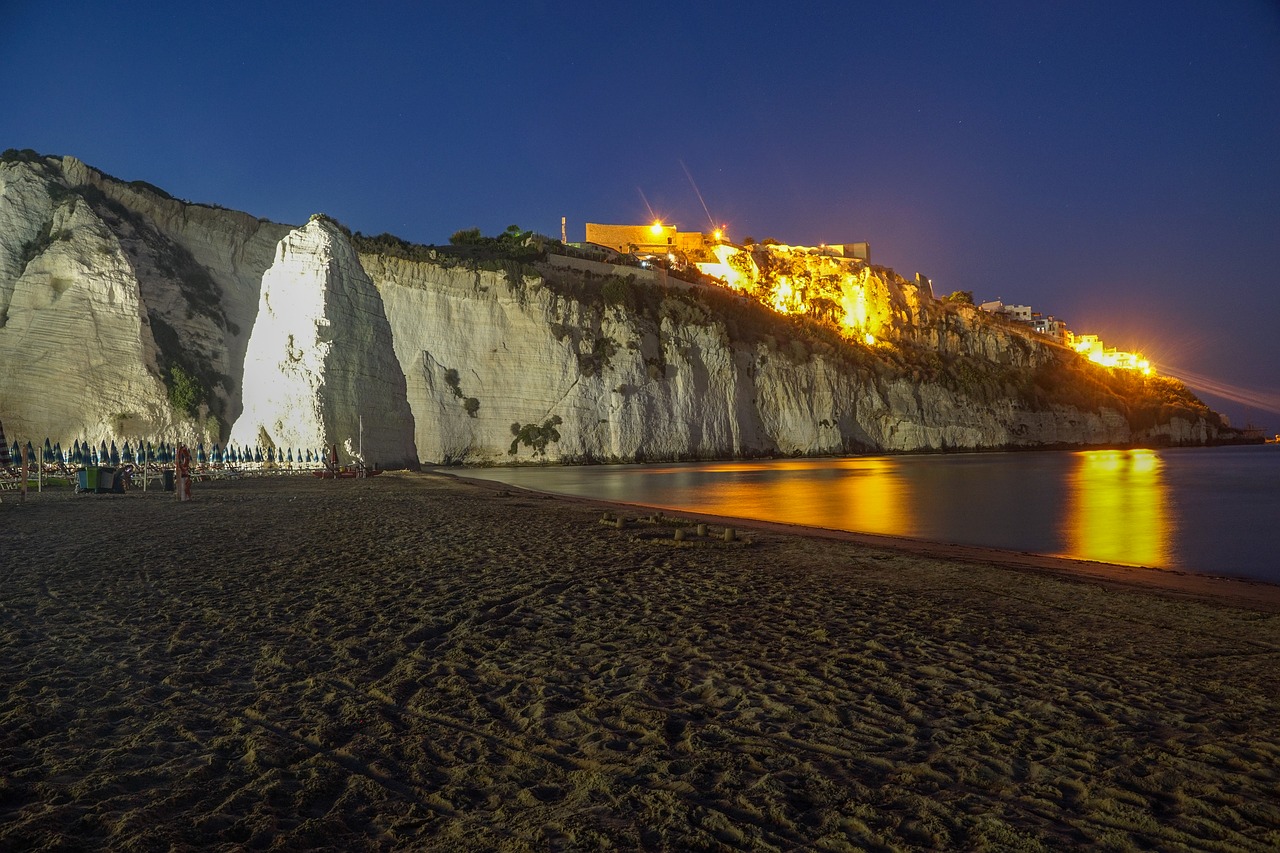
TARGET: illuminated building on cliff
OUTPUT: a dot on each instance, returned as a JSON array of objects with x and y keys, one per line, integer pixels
[{"x": 1092, "y": 348}]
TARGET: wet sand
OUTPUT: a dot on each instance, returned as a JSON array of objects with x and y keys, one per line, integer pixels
[{"x": 420, "y": 662}]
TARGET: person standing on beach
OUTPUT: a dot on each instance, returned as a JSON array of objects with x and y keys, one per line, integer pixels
[{"x": 183, "y": 473}]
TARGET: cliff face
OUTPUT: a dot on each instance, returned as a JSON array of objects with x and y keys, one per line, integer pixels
[
  {"x": 626, "y": 388},
  {"x": 105, "y": 289},
  {"x": 115, "y": 298}
]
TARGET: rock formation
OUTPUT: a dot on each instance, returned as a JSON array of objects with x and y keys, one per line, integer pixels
[
  {"x": 127, "y": 314},
  {"x": 320, "y": 368}
]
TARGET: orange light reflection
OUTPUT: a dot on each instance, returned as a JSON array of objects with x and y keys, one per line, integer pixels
[
  {"x": 866, "y": 494},
  {"x": 1118, "y": 508}
]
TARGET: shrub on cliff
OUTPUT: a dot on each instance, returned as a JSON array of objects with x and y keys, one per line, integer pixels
[
  {"x": 534, "y": 436},
  {"x": 185, "y": 393}
]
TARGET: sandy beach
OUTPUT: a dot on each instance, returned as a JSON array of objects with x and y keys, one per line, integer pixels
[{"x": 419, "y": 662}]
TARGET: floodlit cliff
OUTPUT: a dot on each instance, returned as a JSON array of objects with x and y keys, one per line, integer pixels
[{"x": 127, "y": 314}]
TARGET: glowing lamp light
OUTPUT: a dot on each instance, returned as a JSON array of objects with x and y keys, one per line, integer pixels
[
  {"x": 870, "y": 339},
  {"x": 656, "y": 229},
  {"x": 718, "y": 234}
]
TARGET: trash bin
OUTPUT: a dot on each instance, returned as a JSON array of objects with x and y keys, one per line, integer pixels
[{"x": 168, "y": 481}]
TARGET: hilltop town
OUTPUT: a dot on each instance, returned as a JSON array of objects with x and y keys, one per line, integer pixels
[{"x": 762, "y": 269}]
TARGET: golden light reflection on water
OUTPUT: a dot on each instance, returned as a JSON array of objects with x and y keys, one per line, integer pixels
[
  {"x": 1118, "y": 508},
  {"x": 866, "y": 494}
]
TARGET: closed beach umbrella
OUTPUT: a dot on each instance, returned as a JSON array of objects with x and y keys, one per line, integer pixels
[
  {"x": 47, "y": 454},
  {"x": 290, "y": 456},
  {"x": 16, "y": 453},
  {"x": 215, "y": 454},
  {"x": 77, "y": 454},
  {"x": 257, "y": 454},
  {"x": 115, "y": 453},
  {"x": 57, "y": 452},
  {"x": 103, "y": 455},
  {"x": 126, "y": 452},
  {"x": 201, "y": 458},
  {"x": 271, "y": 455}
]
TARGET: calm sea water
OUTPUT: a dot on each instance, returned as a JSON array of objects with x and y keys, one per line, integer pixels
[{"x": 1211, "y": 510}]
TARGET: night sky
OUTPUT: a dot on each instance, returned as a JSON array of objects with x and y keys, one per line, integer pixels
[{"x": 1115, "y": 164}]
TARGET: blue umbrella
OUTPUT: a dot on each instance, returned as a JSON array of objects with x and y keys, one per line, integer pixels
[
  {"x": 151, "y": 452},
  {"x": 16, "y": 452},
  {"x": 57, "y": 451},
  {"x": 115, "y": 453},
  {"x": 257, "y": 454},
  {"x": 77, "y": 455},
  {"x": 103, "y": 455},
  {"x": 215, "y": 454},
  {"x": 126, "y": 452},
  {"x": 46, "y": 455},
  {"x": 290, "y": 457},
  {"x": 308, "y": 455},
  {"x": 201, "y": 458},
  {"x": 271, "y": 455}
]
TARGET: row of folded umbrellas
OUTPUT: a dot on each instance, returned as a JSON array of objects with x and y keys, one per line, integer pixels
[{"x": 85, "y": 454}]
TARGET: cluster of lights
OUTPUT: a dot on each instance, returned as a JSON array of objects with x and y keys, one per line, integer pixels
[
  {"x": 738, "y": 270},
  {"x": 1091, "y": 348}
]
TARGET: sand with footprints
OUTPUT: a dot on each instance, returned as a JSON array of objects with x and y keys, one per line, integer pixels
[{"x": 416, "y": 662}]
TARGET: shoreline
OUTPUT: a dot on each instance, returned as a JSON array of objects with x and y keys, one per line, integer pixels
[{"x": 1235, "y": 591}]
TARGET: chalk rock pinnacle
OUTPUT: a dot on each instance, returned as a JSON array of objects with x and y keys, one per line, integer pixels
[{"x": 320, "y": 360}]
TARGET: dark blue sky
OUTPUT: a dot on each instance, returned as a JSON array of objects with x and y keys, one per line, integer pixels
[{"x": 1115, "y": 164}]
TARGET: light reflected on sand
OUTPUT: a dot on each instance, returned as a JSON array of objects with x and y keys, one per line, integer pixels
[{"x": 1118, "y": 508}]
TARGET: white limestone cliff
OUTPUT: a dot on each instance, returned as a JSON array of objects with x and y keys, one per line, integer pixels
[
  {"x": 319, "y": 368},
  {"x": 75, "y": 346},
  {"x": 107, "y": 288},
  {"x": 104, "y": 288},
  {"x": 672, "y": 391}
]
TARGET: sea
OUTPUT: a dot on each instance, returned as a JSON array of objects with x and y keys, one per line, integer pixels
[{"x": 1205, "y": 510}]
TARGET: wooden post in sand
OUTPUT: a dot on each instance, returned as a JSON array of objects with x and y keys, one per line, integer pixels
[
  {"x": 679, "y": 534},
  {"x": 702, "y": 530},
  {"x": 728, "y": 534}
]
